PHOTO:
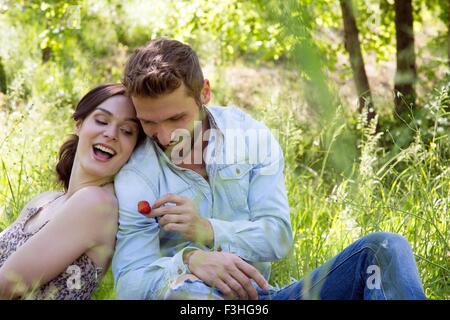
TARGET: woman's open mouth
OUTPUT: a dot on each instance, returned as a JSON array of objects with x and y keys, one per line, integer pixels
[{"x": 102, "y": 152}]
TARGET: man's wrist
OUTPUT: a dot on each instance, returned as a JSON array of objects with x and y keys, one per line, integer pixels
[
  {"x": 187, "y": 254},
  {"x": 207, "y": 234}
]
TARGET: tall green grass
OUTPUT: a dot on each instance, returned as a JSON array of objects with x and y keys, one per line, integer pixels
[
  {"x": 344, "y": 180},
  {"x": 406, "y": 192}
]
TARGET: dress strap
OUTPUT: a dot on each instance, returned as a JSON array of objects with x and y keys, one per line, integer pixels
[
  {"x": 33, "y": 211},
  {"x": 46, "y": 204}
]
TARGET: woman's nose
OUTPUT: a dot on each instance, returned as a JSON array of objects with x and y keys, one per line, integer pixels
[{"x": 110, "y": 132}]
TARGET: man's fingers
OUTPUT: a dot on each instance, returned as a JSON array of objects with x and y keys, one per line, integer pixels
[
  {"x": 173, "y": 227},
  {"x": 171, "y": 218},
  {"x": 252, "y": 273},
  {"x": 236, "y": 287},
  {"x": 246, "y": 284},
  {"x": 169, "y": 198},
  {"x": 165, "y": 210},
  {"x": 227, "y": 292}
]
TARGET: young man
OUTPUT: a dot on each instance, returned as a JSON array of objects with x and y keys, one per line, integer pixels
[{"x": 220, "y": 215}]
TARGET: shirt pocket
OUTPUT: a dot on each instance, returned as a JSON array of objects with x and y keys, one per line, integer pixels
[{"x": 235, "y": 180}]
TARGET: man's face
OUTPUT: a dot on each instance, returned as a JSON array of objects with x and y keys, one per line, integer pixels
[{"x": 161, "y": 116}]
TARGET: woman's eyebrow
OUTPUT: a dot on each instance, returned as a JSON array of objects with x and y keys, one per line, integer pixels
[{"x": 111, "y": 114}]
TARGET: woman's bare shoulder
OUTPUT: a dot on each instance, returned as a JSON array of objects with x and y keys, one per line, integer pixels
[
  {"x": 96, "y": 200},
  {"x": 99, "y": 209},
  {"x": 41, "y": 199},
  {"x": 45, "y": 197}
]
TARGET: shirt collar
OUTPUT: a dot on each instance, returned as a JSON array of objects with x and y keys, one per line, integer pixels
[{"x": 215, "y": 121}]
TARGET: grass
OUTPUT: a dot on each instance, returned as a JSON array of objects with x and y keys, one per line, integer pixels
[
  {"x": 344, "y": 180},
  {"x": 406, "y": 192}
]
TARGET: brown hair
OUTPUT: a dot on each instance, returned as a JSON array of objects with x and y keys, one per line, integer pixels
[
  {"x": 160, "y": 67},
  {"x": 84, "y": 108}
]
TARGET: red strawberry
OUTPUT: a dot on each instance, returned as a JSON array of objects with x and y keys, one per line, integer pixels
[{"x": 144, "y": 207}]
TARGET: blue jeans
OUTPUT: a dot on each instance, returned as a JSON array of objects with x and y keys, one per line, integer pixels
[{"x": 378, "y": 266}]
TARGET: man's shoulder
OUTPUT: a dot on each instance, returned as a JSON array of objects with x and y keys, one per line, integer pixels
[
  {"x": 143, "y": 156},
  {"x": 143, "y": 162},
  {"x": 231, "y": 117}
]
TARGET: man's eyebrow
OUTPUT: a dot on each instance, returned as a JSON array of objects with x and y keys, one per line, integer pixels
[
  {"x": 141, "y": 119},
  {"x": 179, "y": 115},
  {"x": 111, "y": 114}
]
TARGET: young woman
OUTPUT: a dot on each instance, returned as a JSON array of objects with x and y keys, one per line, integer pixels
[{"x": 62, "y": 242}]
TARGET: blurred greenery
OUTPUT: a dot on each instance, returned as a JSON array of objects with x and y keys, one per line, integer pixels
[{"x": 285, "y": 63}]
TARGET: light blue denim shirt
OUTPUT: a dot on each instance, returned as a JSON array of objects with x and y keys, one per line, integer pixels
[{"x": 244, "y": 199}]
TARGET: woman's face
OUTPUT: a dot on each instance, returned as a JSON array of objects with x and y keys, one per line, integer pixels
[{"x": 107, "y": 137}]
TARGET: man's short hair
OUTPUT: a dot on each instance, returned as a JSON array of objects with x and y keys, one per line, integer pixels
[{"x": 162, "y": 66}]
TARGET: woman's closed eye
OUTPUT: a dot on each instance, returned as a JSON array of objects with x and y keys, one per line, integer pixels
[
  {"x": 101, "y": 122},
  {"x": 127, "y": 131}
]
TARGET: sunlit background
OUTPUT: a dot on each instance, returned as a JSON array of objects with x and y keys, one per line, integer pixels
[{"x": 352, "y": 167}]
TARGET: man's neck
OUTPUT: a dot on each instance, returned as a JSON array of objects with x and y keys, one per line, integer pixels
[{"x": 191, "y": 161}]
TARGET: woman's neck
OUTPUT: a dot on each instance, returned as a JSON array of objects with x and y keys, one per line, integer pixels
[{"x": 80, "y": 179}]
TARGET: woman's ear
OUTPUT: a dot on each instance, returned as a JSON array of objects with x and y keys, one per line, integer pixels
[{"x": 78, "y": 127}]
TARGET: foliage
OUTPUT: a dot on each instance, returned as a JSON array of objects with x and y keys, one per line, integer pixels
[{"x": 276, "y": 59}]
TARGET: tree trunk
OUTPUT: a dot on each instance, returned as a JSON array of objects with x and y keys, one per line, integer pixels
[
  {"x": 2, "y": 78},
  {"x": 353, "y": 47},
  {"x": 406, "y": 74},
  {"x": 448, "y": 33},
  {"x": 46, "y": 54}
]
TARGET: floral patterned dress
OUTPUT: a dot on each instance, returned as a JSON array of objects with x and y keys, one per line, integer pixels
[{"x": 78, "y": 282}]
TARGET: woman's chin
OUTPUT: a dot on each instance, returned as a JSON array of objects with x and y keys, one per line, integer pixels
[{"x": 100, "y": 170}]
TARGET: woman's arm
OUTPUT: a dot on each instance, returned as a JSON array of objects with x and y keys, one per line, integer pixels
[{"x": 86, "y": 220}]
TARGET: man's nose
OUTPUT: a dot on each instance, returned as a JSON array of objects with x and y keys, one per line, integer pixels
[{"x": 163, "y": 136}]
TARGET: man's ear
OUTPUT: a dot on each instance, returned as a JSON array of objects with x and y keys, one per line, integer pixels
[{"x": 206, "y": 92}]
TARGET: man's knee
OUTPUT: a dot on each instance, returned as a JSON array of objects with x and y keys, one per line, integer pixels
[{"x": 387, "y": 241}]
